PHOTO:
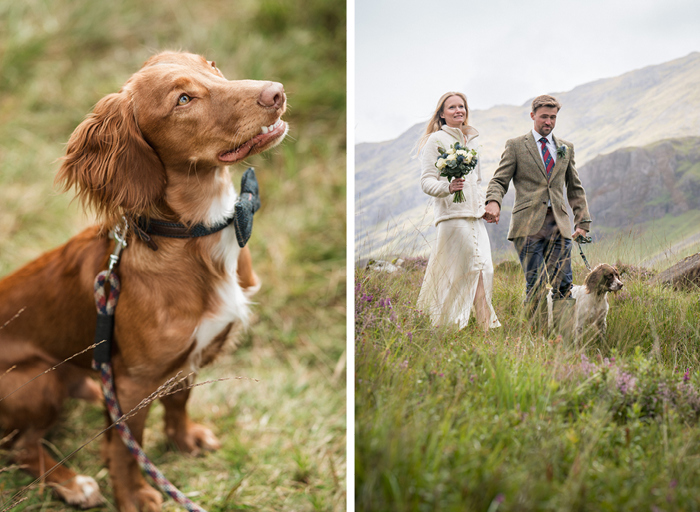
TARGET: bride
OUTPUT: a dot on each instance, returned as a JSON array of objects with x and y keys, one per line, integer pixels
[{"x": 460, "y": 270}]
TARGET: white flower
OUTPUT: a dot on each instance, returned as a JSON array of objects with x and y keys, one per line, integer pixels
[
  {"x": 451, "y": 158},
  {"x": 441, "y": 163},
  {"x": 461, "y": 152}
]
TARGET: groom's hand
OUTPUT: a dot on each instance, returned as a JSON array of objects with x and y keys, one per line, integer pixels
[
  {"x": 492, "y": 212},
  {"x": 579, "y": 232}
]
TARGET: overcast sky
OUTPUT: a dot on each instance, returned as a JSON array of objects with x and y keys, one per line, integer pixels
[{"x": 408, "y": 53}]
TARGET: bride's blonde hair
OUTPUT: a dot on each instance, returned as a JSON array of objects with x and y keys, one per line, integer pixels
[{"x": 435, "y": 123}]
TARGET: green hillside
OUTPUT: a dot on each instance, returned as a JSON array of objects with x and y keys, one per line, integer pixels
[{"x": 283, "y": 424}]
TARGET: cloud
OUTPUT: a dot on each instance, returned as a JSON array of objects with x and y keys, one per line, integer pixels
[{"x": 498, "y": 52}]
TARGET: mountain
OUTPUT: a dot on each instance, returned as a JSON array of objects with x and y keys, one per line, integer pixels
[
  {"x": 635, "y": 185},
  {"x": 635, "y": 109}
]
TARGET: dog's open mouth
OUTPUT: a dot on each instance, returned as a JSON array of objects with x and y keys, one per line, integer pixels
[{"x": 268, "y": 137}]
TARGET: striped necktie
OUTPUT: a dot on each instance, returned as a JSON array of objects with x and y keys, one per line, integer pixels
[{"x": 548, "y": 160}]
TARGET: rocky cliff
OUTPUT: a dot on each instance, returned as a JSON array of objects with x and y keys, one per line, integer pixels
[{"x": 634, "y": 185}]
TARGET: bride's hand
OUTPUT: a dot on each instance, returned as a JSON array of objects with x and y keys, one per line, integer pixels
[{"x": 456, "y": 184}]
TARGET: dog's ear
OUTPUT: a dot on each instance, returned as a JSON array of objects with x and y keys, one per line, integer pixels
[
  {"x": 593, "y": 279},
  {"x": 112, "y": 167}
]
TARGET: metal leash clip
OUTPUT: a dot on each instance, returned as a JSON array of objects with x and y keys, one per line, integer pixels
[{"x": 119, "y": 235}]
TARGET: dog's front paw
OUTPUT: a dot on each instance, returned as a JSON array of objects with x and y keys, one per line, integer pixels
[
  {"x": 144, "y": 499},
  {"x": 81, "y": 491},
  {"x": 148, "y": 499},
  {"x": 196, "y": 439}
]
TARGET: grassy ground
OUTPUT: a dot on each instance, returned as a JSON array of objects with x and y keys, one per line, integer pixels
[
  {"x": 512, "y": 420},
  {"x": 655, "y": 244},
  {"x": 282, "y": 424}
]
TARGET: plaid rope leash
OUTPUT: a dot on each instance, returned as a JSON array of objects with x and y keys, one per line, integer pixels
[
  {"x": 127, "y": 437},
  {"x": 584, "y": 240},
  {"x": 106, "y": 304}
]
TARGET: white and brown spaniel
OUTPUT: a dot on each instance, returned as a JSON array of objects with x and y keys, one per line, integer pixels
[{"x": 591, "y": 309}]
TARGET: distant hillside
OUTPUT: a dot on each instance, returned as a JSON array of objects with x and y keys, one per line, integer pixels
[
  {"x": 633, "y": 110},
  {"x": 634, "y": 185}
]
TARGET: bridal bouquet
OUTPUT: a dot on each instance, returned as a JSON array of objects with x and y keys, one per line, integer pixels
[{"x": 456, "y": 162}]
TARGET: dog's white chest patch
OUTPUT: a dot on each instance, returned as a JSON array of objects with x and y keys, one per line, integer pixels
[{"x": 233, "y": 305}]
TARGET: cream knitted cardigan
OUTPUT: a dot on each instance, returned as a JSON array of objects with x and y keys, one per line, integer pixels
[{"x": 437, "y": 186}]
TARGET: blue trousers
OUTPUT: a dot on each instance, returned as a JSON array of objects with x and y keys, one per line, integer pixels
[{"x": 545, "y": 257}]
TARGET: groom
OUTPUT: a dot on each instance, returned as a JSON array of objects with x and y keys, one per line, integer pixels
[{"x": 540, "y": 166}]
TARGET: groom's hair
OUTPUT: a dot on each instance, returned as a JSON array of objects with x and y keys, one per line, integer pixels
[{"x": 545, "y": 101}]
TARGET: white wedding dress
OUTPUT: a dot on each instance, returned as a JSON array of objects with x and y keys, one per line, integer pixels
[{"x": 462, "y": 253}]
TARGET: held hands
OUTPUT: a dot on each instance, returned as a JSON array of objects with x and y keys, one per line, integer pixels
[{"x": 492, "y": 213}]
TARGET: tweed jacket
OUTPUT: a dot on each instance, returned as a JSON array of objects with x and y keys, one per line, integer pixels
[
  {"x": 438, "y": 187},
  {"x": 521, "y": 162}
]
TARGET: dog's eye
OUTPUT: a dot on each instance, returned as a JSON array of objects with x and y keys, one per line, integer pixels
[{"x": 184, "y": 99}]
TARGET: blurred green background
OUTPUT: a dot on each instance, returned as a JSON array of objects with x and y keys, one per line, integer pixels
[{"x": 283, "y": 424}]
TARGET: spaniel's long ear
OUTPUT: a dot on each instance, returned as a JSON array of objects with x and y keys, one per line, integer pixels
[
  {"x": 112, "y": 167},
  {"x": 593, "y": 280}
]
